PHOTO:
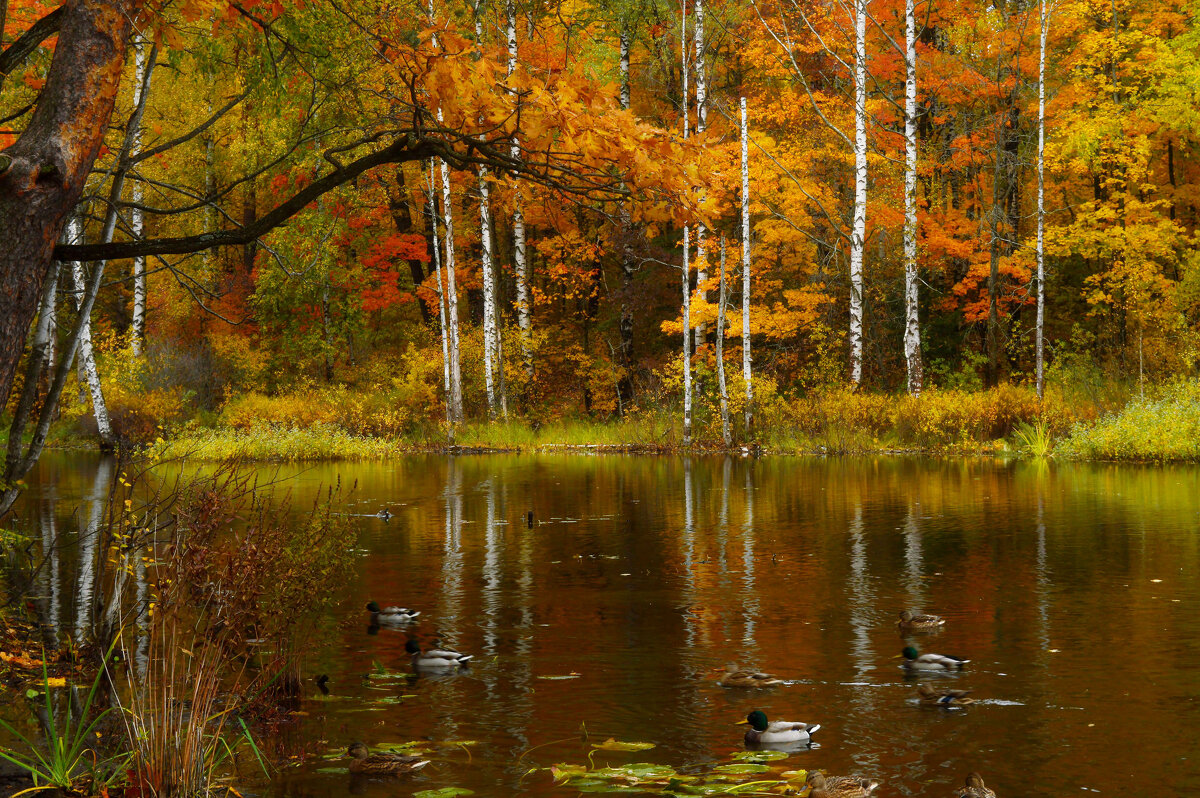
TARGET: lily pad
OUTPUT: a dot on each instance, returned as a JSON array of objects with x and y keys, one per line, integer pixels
[
  {"x": 444, "y": 792},
  {"x": 560, "y": 678},
  {"x": 741, "y": 769},
  {"x": 640, "y": 771},
  {"x": 760, "y": 756},
  {"x": 618, "y": 745},
  {"x": 333, "y": 770}
]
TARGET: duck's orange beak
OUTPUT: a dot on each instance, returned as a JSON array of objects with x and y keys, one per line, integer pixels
[{"x": 742, "y": 723}]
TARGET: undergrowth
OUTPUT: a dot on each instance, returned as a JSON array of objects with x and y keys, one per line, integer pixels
[{"x": 1157, "y": 428}]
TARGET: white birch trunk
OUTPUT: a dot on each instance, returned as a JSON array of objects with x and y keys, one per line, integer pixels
[
  {"x": 47, "y": 326},
  {"x": 725, "y": 433},
  {"x": 456, "y": 403},
  {"x": 485, "y": 256},
  {"x": 520, "y": 263},
  {"x": 437, "y": 268},
  {"x": 701, "y": 123},
  {"x": 912, "y": 329},
  {"x": 1041, "y": 206},
  {"x": 489, "y": 292},
  {"x": 87, "y": 358},
  {"x": 625, "y": 386},
  {"x": 136, "y": 223},
  {"x": 687, "y": 288},
  {"x": 746, "y": 372},
  {"x": 859, "y": 232}
]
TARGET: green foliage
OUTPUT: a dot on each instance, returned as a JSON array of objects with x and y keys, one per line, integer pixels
[
  {"x": 1152, "y": 429},
  {"x": 68, "y": 759}
]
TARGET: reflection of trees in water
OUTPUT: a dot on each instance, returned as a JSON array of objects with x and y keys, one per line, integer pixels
[
  {"x": 750, "y": 603},
  {"x": 450, "y": 594},
  {"x": 689, "y": 556},
  {"x": 914, "y": 558},
  {"x": 50, "y": 570}
]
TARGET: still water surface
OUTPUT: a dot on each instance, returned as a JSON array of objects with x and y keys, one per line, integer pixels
[{"x": 1073, "y": 590}]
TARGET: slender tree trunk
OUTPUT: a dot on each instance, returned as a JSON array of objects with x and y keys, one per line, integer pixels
[
  {"x": 1041, "y": 205},
  {"x": 42, "y": 174},
  {"x": 912, "y": 329},
  {"x": 489, "y": 292},
  {"x": 437, "y": 267},
  {"x": 456, "y": 402},
  {"x": 87, "y": 359},
  {"x": 725, "y": 433},
  {"x": 136, "y": 223},
  {"x": 746, "y": 372},
  {"x": 687, "y": 288},
  {"x": 520, "y": 263},
  {"x": 859, "y": 232},
  {"x": 701, "y": 123},
  {"x": 625, "y": 385},
  {"x": 47, "y": 326},
  {"x": 485, "y": 239}
]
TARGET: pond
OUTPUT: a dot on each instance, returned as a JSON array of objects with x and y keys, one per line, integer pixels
[{"x": 1073, "y": 590}]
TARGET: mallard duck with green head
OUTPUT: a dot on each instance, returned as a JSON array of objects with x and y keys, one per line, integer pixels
[
  {"x": 363, "y": 761},
  {"x": 384, "y": 616},
  {"x": 943, "y": 696},
  {"x": 915, "y": 661},
  {"x": 822, "y": 786},
  {"x": 912, "y": 622},
  {"x": 779, "y": 731},
  {"x": 739, "y": 678},
  {"x": 435, "y": 659},
  {"x": 975, "y": 788}
]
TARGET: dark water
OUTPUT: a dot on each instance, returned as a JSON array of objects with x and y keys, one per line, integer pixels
[{"x": 1072, "y": 588}]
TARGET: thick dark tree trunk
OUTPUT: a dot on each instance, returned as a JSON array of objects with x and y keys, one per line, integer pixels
[
  {"x": 398, "y": 206},
  {"x": 43, "y": 173}
]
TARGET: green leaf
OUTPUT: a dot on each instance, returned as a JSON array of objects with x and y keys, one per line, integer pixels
[{"x": 444, "y": 792}]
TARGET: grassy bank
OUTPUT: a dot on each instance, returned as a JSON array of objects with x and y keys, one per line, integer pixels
[{"x": 834, "y": 422}]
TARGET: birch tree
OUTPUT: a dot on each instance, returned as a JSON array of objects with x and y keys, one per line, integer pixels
[
  {"x": 701, "y": 123},
  {"x": 451, "y": 291},
  {"x": 520, "y": 263},
  {"x": 687, "y": 288},
  {"x": 1044, "y": 27},
  {"x": 431, "y": 194},
  {"x": 456, "y": 403},
  {"x": 88, "y": 375},
  {"x": 746, "y": 373},
  {"x": 625, "y": 385},
  {"x": 859, "y": 229},
  {"x": 912, "y": 330},
  {"x": 490, "y": 331},
  {"x": 136, "y": 223}
]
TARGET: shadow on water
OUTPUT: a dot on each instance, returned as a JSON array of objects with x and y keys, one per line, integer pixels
[{"x": 1072, "y": 588}]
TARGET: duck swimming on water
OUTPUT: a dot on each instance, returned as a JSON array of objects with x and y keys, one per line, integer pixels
[
  {"x": 780, "y": 731},
  {"x": 363, "y": 761},
  {"x": 914, "y": 661}
]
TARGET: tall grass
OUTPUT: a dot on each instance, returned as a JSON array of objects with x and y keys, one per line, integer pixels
[
  {"x": 179, "y": 716},
  {"x": 67, "y": 759}
]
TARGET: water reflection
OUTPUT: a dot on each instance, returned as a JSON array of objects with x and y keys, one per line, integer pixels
[{"x": 613, "y": 614}]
